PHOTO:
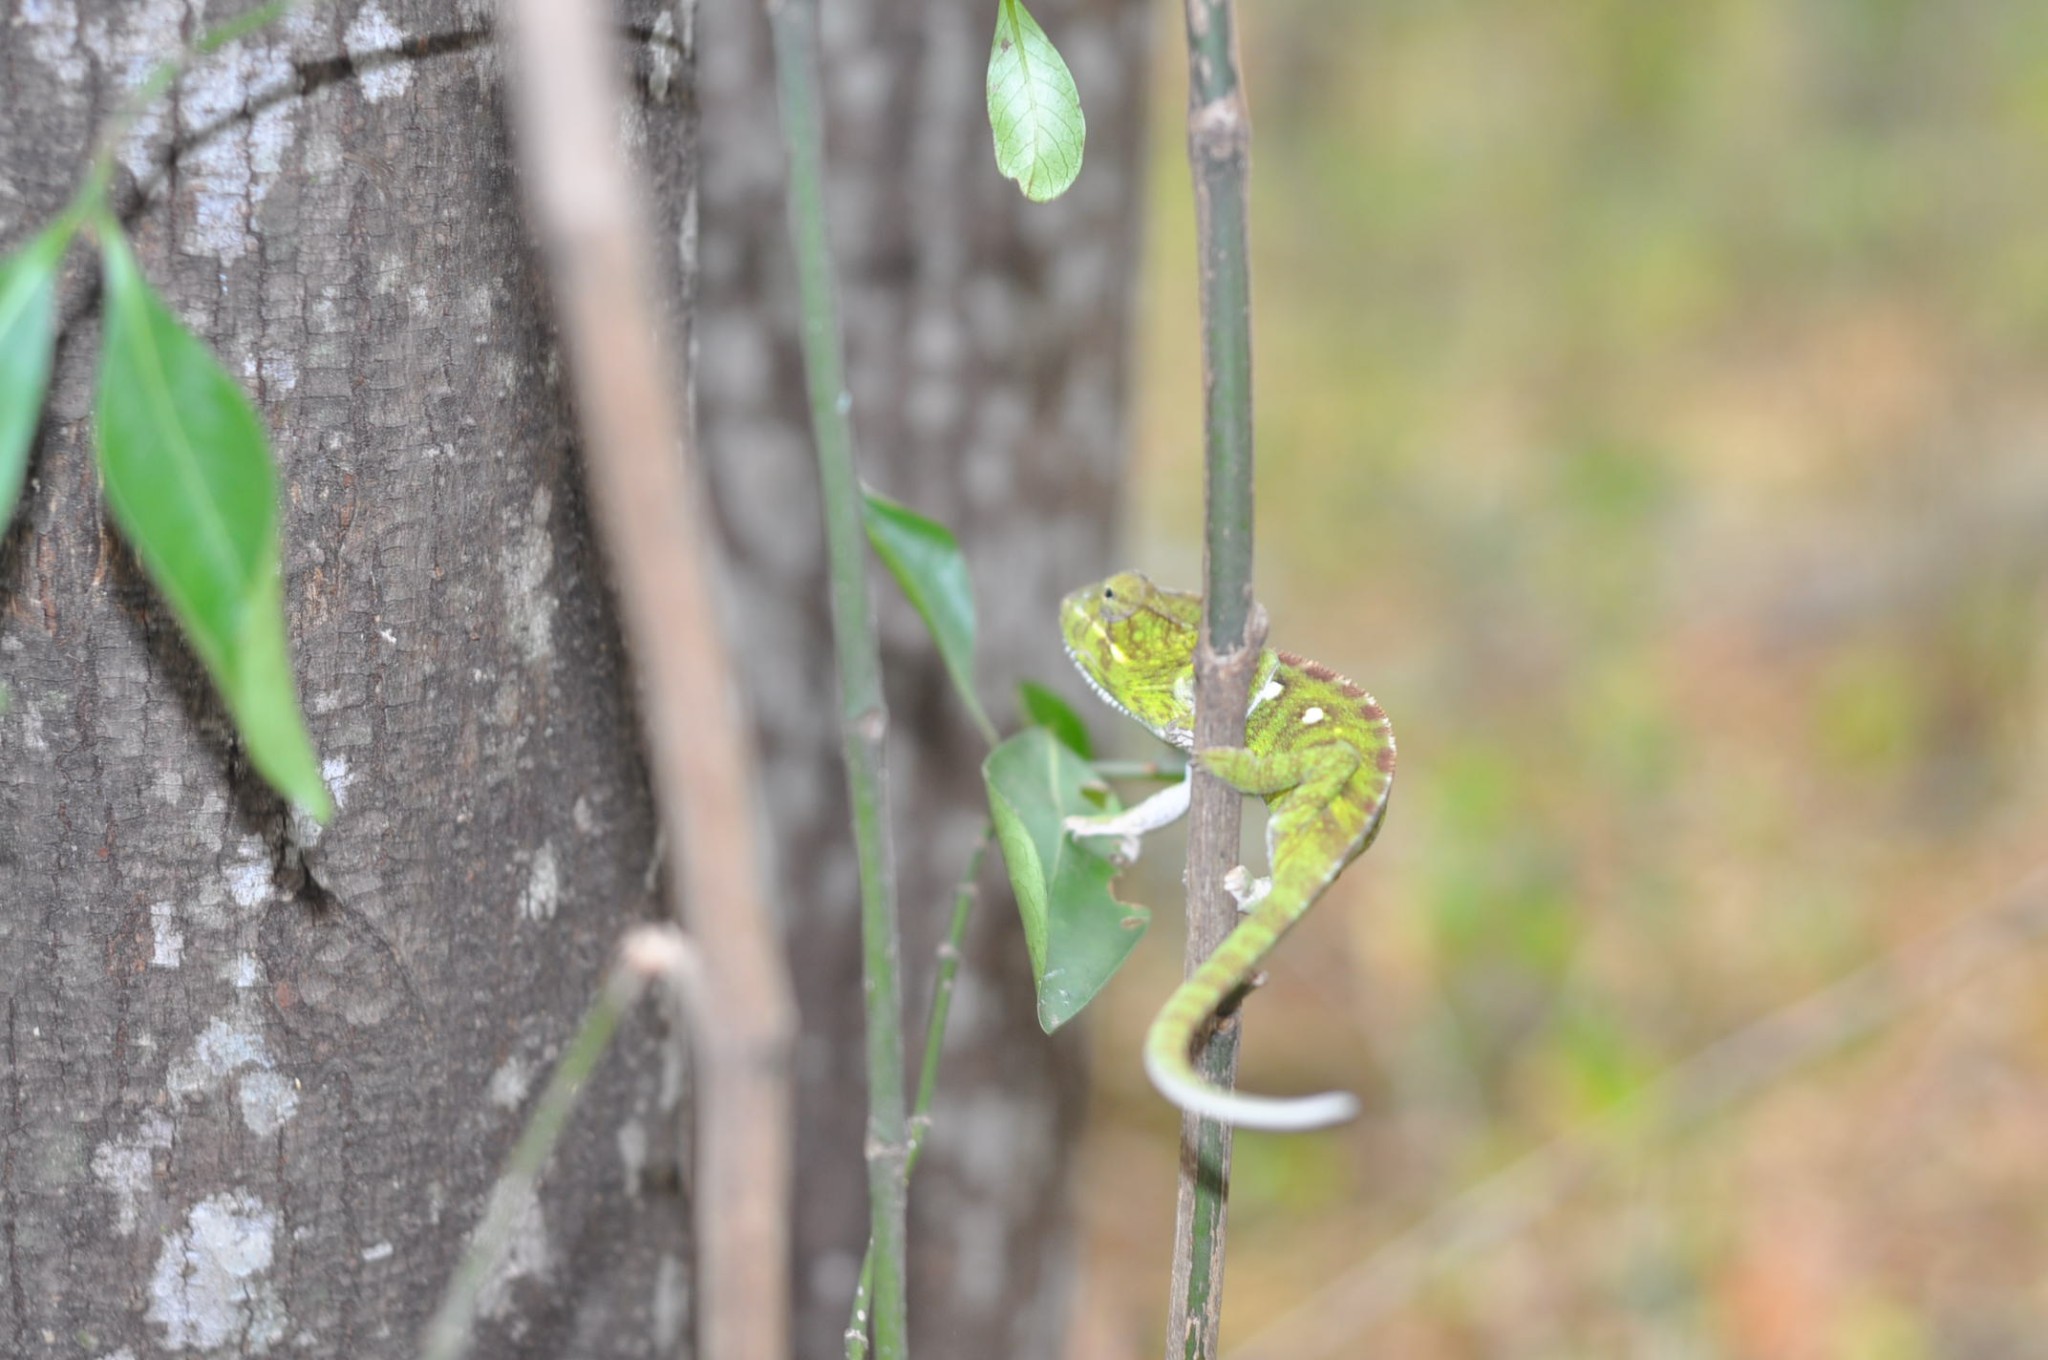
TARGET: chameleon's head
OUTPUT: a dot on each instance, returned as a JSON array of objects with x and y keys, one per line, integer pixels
[{"x": 1135, "y": 643}]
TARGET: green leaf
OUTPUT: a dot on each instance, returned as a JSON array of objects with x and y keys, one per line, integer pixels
[
  {"x": 925, "y": 559},
  {"x": 1077, "y": 933},
  {"x": 1043, "y": 708},
  {"x": 190, "y": 483},
  {"x": 1033, "y": 108},
  {"x": 28, "y": 334}
]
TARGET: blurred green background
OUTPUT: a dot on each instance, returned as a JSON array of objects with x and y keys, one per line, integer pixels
[{"x": 1653, "y": 413}]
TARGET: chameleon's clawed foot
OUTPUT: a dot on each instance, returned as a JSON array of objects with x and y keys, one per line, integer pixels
[
  {"x": 1128, "y": 843},
  {"x": 1256, "y": 980},
  {"x": 1245, "y": 890}
]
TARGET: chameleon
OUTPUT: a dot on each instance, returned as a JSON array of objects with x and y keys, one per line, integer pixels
[{"x": 1318, "y": 749}]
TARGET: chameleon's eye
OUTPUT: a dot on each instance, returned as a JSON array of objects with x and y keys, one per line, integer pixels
[{"x": 1108, "y": 593}]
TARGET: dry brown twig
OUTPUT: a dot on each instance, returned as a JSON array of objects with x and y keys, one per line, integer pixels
[{"x": 641, "y": 462}]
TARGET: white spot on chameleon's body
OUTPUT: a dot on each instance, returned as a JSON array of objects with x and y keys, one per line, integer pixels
[
  {"x": 210, "y": 1289},
  {"x": 383, "y": 1251},
  {"x": 1312, "y": 717}
]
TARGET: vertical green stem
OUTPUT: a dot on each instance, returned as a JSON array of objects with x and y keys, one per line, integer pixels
[
  {"x": 928, "y": 1077},
  {"x": 1219, "y": 150},
  {"x": 864, "y": 719}
]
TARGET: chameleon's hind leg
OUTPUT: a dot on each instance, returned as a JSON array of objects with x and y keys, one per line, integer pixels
[{"x": 1245, "y": 890}]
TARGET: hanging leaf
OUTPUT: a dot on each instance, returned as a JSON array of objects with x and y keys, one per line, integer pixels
[
  {"x": 190, "y": 483},
  {"x": 1043, "y": 708},
  {"x": 1078, "y": 934},
  {"x": 1033, "y": 108},
  {"x": 925, "y": 559},
  {"x": 28, "y": 334}
]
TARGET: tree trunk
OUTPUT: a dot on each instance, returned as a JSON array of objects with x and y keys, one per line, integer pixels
[
  {"x": 987, "y": 342},
  {"x": 254, "y": 1091}
]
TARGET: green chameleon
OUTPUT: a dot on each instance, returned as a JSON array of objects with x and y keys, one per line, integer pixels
[{"x": 1317, "y": 748}]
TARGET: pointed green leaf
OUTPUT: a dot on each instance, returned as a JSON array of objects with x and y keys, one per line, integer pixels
[
  {"x": 28, "y": 334},
  {"x": 190, "y": 483},
  {"x": 1033, "y": 108},
  {"x": 1043, "y": 708},
  {"x": 1077, "y": 933},
  {"x": 925, "y": 559}
]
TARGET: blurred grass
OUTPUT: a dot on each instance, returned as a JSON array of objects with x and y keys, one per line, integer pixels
[{"x": 1653, "y": 413}]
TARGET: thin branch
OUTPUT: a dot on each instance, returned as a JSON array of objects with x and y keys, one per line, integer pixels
[
  {"x": 1219, "y": 149},
  {"x": 964, "y": 898},
  {"x": 1705, "y": 1086},
  {"x": 863, "y": 717},
  {"x": 643, "y": 472}
]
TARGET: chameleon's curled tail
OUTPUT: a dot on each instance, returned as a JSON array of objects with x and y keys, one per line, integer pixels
[{"x": 1172, "y": 1036}]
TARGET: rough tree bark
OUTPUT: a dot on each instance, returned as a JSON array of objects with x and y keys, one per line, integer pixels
[
  {"x": 251, "y": 1092},
  {"x": 253, "y": 1097}
]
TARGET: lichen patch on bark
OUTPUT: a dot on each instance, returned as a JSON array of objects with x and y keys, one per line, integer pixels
[{"x": 211, "y": 1288}]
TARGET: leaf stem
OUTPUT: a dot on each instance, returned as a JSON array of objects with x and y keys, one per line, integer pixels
[
  {"x": 1219, "y": 146},
  {"x": 864, "y": 718},
  {"x": 964, "y": 898}
]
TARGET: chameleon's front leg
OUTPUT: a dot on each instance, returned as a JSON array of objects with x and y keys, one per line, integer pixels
[{"x": 1163, "y": 808}]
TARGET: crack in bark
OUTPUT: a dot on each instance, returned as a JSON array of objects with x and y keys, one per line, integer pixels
[{"x": 318, "y": 73}]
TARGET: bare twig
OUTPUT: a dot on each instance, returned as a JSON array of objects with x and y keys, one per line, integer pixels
[
  {"x": 1708, "y": 1084},
  {"x": 642, "y": 469},
  {"x": 863, "y": 716},
  {"x": 1219, "y": 149}
]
